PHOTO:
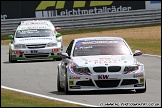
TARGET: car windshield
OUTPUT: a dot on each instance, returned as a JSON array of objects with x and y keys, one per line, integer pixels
[
  {"x": 100, "y": 47},
  {"x": 34, "y": 33}
]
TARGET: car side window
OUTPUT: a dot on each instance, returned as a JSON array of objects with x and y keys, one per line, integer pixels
[{"x": 68, "y": 51}]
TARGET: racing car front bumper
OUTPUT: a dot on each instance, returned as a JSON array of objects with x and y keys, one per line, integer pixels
[
  {"x": 44, "y": 53},
  {"x": 106, "y": 81}
]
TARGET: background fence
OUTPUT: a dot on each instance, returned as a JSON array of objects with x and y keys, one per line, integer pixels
[{"x": 100, "y": 20}]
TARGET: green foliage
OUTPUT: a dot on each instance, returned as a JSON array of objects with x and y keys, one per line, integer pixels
[{"x": 146, "y": 46}]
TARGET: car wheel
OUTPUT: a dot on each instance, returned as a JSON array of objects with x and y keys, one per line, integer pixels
[
  {"x": 58, "y": 59},
  {"x": 10, "y": 58},
  {"x": 66, "y": 85},
  {"x": 141, "y": 90},
  {"x": 59, "y": 89}
]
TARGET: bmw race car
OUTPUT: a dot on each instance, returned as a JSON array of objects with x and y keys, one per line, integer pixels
[
  {"x": 100, "y": 63},
  {"x": 35, "y": 40}
]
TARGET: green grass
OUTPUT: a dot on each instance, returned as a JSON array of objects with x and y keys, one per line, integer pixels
[
  {"x": 78, "y": 31},
  {"x": 146, "y": 46},
  {"x": 16, "y": 99}
]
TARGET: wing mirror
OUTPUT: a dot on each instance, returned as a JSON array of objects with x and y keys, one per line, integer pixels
[
  {"x": 65, "y": 55},
  {"x": 58, "y": 28},
  {"x": 58, "y": 34},
  {"x": 137, "y": 53}
]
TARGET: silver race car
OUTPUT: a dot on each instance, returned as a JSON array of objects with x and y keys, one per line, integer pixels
[{"x": 100, "y": 63}]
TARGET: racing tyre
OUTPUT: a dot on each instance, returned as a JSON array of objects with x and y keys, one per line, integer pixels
[
  {"x": 141, "y": 90},
  {"x": 58, "y": 59},
  {"x": 10, "y": 59},
  {"x": 66, "y": 85},
  {"x": 59, "y": 89}
]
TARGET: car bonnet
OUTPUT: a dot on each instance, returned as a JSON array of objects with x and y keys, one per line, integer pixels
[{"x": 104, "y": 60}]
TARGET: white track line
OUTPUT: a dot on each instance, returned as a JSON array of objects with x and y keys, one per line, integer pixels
[{"x": 43, "y": 96}]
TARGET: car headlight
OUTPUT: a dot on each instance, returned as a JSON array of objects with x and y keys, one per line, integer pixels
[
  {"x": 81, "y": 69},
  {"x": 130, "y": 68},
  {"x": 51, "y": 44},
  {"x": 19, "y": 46}
]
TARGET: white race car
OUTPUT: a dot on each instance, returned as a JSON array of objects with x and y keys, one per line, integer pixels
[
  {"x": 100, "y": 63},
  {"x": 47, "y": 22},
  {"x": 35, "y": 40}
]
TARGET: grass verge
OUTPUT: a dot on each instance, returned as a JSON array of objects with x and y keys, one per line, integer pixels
[
  {"x": 146, "y": 46},
  {"x": 78, "y": 31},
  {"x": 16, "y": 99}
]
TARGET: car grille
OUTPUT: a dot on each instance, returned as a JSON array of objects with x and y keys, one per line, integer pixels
[
  {"x": 107, "y": 83},
  {"x": 39, "y": 55},
  {"x": 99, "y": 69},
  {"x": 36, "y": 46},
  {"x": 114, "y": 68},
  {"x": 129, "y": 81},
  {"x": 85, "y": 83}
]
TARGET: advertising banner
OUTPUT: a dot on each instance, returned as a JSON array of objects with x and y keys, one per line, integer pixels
[
  {"x": 47, "y": 9},
  {"x": 68, "y": 8}
]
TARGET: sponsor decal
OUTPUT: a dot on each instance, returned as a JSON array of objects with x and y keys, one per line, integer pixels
[
  {"x": 87, "y": 79},
  {"x": 35, "y": 39},
  {"x": 142, "y": 80},
  {"x": 34, "y": 22},
  {"x": 138, "y": 85},
  {"x": 128, "y": 72},
  {"x": 71, "y": 82},
  {"x": 99, "y": 42},
  {"x": 139, "y": 75},
  {"x": 55, "y": 50},
  {"x": 105, "y": 61},
  {"x": 34, "y": 51},
  {"x": 100, "y": 77},
  {"x": 74, "y": 77}
]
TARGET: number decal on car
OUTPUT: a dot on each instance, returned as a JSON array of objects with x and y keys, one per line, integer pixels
[{"x": 34, "y": 51}]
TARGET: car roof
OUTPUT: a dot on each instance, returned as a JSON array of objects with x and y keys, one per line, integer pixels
[
  {"x": 99, "y": 38},
  {"x": 33, "y": 26},
  {"x": 35, "y": 22}
]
